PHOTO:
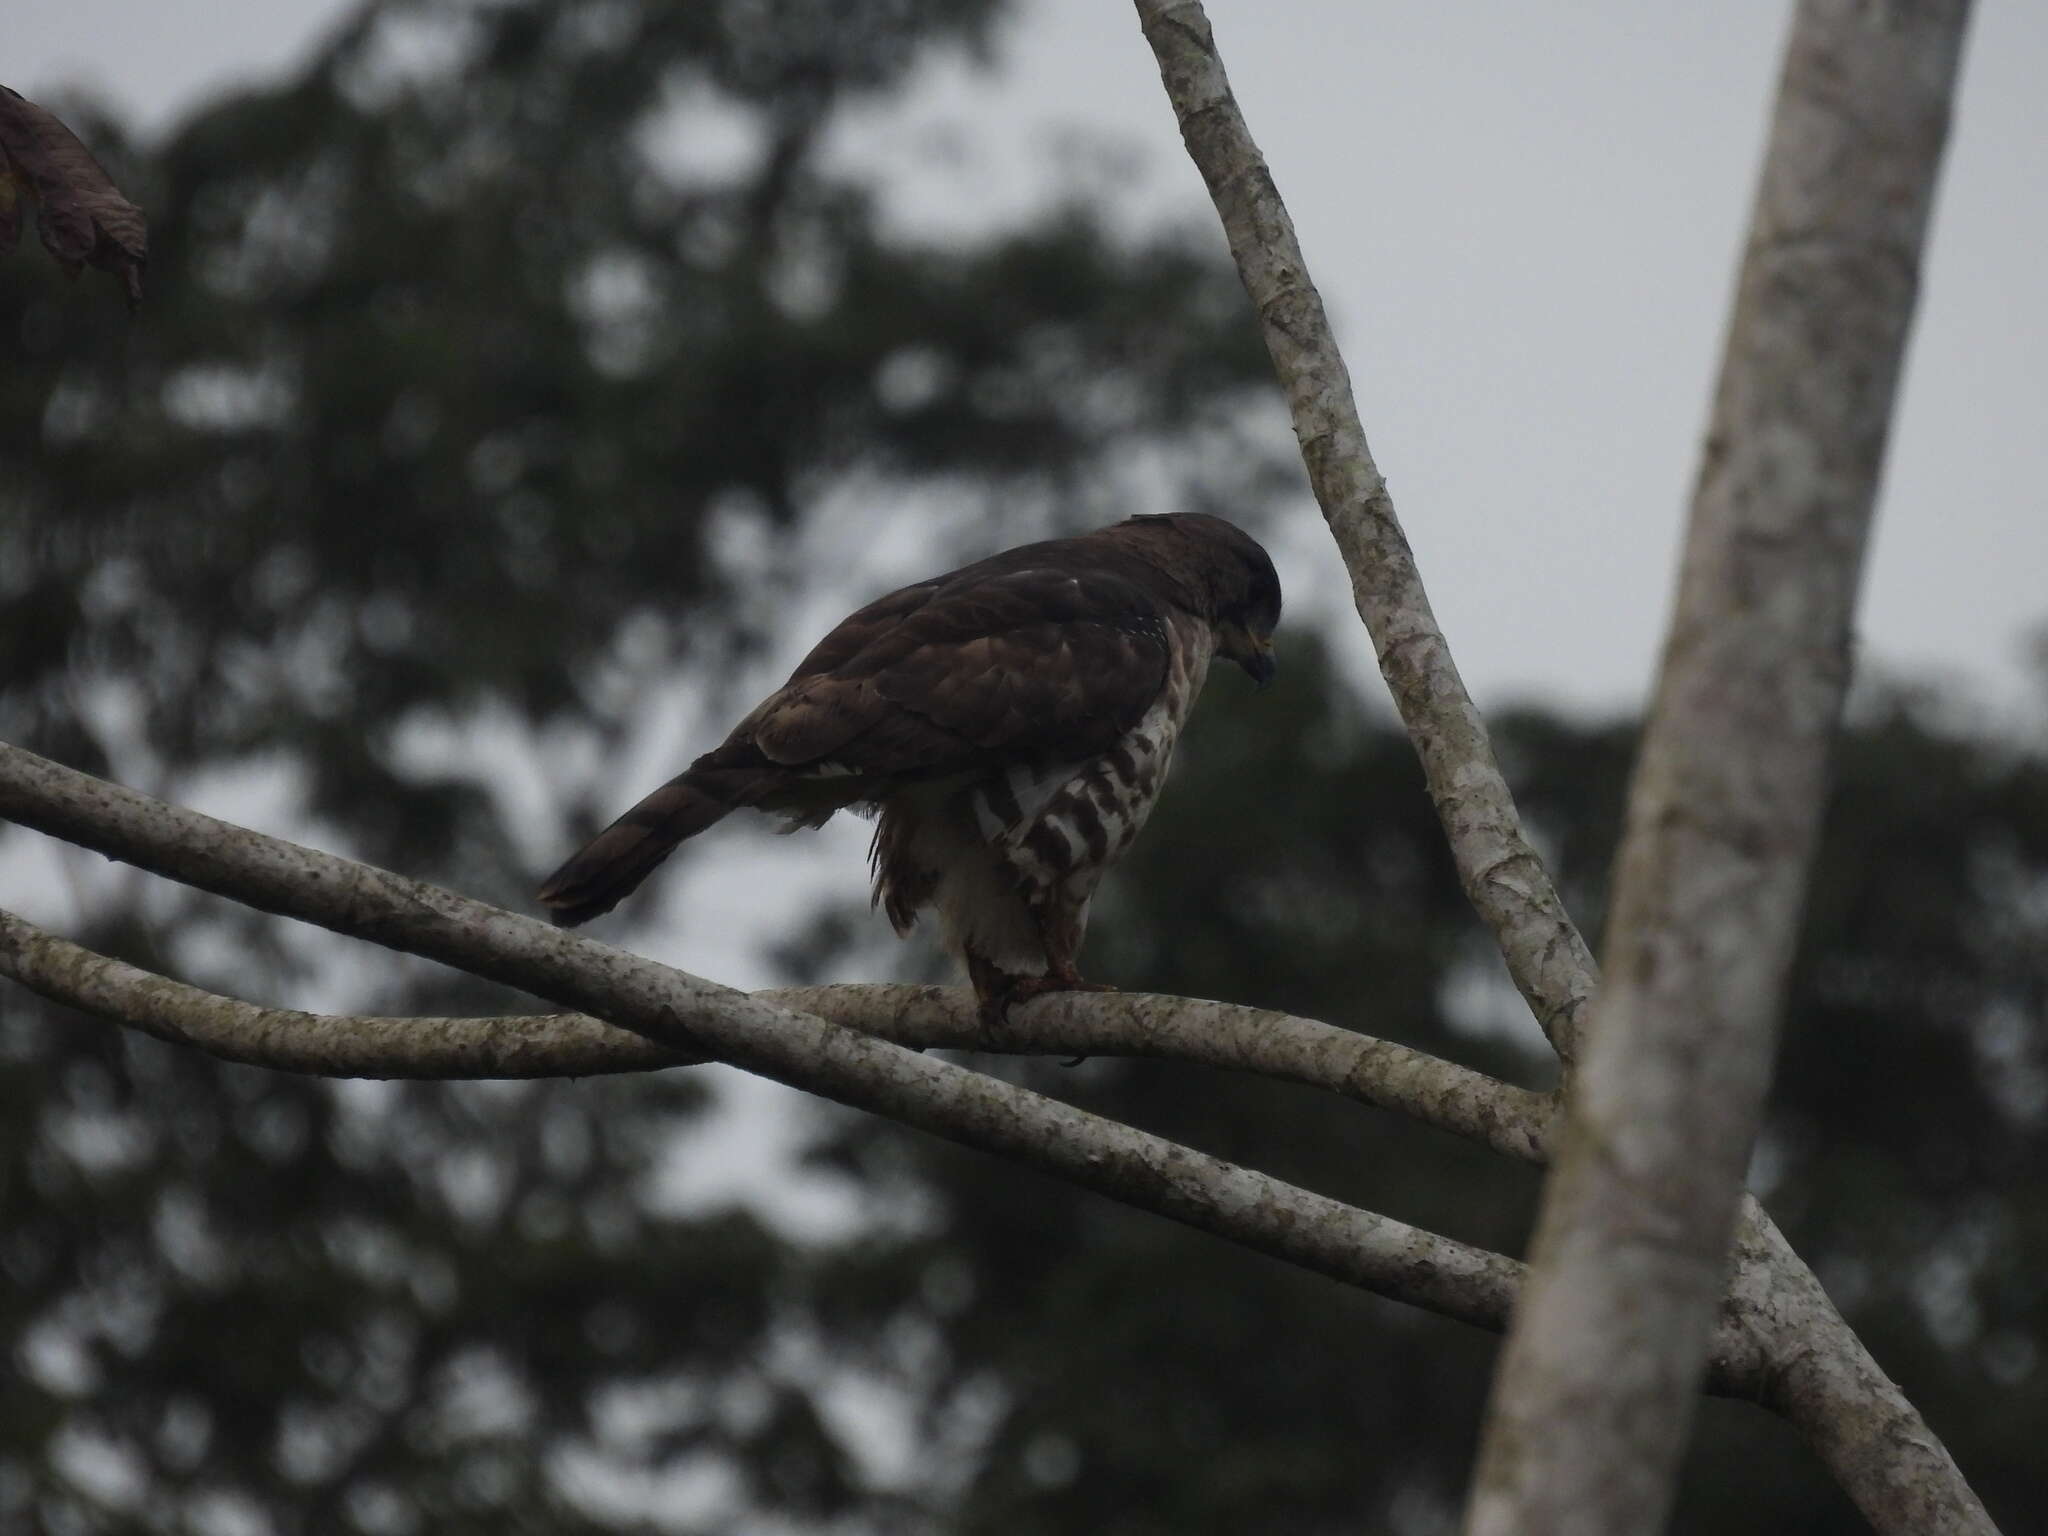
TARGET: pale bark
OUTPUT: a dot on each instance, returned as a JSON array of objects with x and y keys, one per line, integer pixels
[
  {"x": 1594, "y": 1395},
  {"x": 1501, "y": 873},
  {"x": 1855, "y": 1418},
  {"x": 1780, "y": 1343},
  {"x": 1510, "y": 1120},
  {"x": 695, "y": 1017},
  {"x": 1824, "y": 1382}
]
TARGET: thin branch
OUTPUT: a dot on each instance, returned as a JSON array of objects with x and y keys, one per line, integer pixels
[
  {"x": 1502, "y": 875},
  {"x": 693, "y": 1016},
  {"x": 1780, "y": 1343},
  {"x": 1593, "y": 1399},
  {"x": 1454, "y": 1098},
  {"x": 1854, "y": 1416},
  {"x": 321, "y": 1044},
  {"x": 1510, "y": 1120}
]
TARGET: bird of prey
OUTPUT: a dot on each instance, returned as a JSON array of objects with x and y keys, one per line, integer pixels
[{"x": 1009, "y": 725}]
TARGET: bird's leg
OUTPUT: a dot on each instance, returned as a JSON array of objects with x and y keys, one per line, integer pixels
[
  {"x": 1061, "y": 926},
  {"x": 997, "y": 990},
  {"x": 992, "y": 991}
]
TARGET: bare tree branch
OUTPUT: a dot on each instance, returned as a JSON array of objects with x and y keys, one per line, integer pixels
[
  {"x": 1593, "y": 1399},
  {"x": 1781, "y": 1343},
  {"x": 1510, "y": 1120},
  {"x": 1821, "y": 1378},
  {"x": 1502, "y": 874},
  {"x": 1854, "y": 1416},
  {"x": 693, "y": 1016},
  {"x": 322, "y": 1044},
  {"x": 1746, "y": 1361}
]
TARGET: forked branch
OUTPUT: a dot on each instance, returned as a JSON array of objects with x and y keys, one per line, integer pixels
[
  {"x": 1510, "y": 1120},
  {"x": 1853, "y": 1415},
  {"x": 697, "y": 1018},
  {"x": 1595, "y": 1390},
  {"x": 1779, "y": 1343}
]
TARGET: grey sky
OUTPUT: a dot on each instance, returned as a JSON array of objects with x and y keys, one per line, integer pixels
[{"x": 1525, "y": 220}]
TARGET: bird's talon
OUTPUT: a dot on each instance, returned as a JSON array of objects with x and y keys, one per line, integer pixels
[{"x": 995, "y": 1006}]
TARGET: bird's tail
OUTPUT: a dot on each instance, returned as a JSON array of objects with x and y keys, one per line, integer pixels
[{"x": 608, "y": 867}]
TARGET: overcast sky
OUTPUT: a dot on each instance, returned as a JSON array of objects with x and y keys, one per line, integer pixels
[{"x": 1525, "y": 220}]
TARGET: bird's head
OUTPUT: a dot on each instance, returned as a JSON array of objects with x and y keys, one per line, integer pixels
[{"x": 1230, "y": 580}]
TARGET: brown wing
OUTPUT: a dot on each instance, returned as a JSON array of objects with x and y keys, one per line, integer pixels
[{"x": 998, "y": 660}]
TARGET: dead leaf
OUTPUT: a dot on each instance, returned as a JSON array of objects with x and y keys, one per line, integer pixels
[{"x": 83, "y": 218}]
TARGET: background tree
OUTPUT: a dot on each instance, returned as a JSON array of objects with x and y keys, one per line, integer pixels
[
  {"x": 455, "y": 403},
  {"x": 380, "y": 1308}
]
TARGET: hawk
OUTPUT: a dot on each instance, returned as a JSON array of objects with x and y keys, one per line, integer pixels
[{"x": 1009, "y": 725}]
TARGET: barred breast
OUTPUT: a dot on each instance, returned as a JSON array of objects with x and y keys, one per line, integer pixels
[
  {"x": 1010, "y": 861},
  {"x": 1060, "y": 828}
]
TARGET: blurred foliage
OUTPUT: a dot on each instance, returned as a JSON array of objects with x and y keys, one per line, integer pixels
[
  {"x": 467, "y": 365},
  {"x": 453, "y": 370}
]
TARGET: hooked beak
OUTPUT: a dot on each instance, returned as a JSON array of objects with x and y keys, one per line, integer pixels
[{"x": 1252, "y": 652}]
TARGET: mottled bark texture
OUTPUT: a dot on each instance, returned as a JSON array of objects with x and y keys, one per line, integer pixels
[
  {"x": 1594, "y": 1396},
  {"x": 1512, "y": 1121},
  {"x": 695, "y": 1021},
  {"x": 1821, "y": 1377},
  {"x": 1780, "y": 1342},
  {"x": 697, "y": 1018},
  {"x": 1500, "y": 871}
]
